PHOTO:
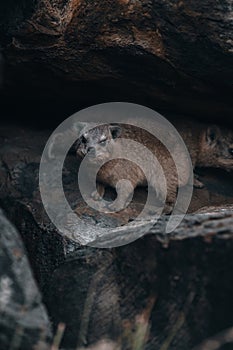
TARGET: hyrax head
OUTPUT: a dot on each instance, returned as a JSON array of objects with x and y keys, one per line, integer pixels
[
  {"x": 98, "y": 142},
  {"x": 218, "y": 147}
]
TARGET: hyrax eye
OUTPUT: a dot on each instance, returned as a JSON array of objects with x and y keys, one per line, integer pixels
[
  {"x": 103, "y": 142},
  {"x": 230, "y": 150}
]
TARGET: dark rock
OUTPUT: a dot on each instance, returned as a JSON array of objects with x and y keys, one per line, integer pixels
[
  {"x": 178, "y": 286},
  {"x": 24, "y": 323},
  {"x": 174, "y": 56},
  {"x": 103, "y": 293}
]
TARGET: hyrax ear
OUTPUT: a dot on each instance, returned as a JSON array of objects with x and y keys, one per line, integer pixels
[
  {"x": 212, "y": 134},
  {"x": 115, "y": 131},
  {"x": 80, "y": 126}
]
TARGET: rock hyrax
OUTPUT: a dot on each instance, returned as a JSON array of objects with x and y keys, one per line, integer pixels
[{"x": 208, "y": 145}]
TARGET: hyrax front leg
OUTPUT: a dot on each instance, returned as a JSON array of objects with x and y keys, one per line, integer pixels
[
  {"x": 172, "y": 188},
  {"x": 170, "y": 202},
  {"x": 196, "y": 182},
  {"x": 98, "y": 194},
  {"x": 125, "y": 190}
]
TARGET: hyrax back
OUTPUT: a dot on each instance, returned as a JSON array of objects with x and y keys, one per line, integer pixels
[{"x": 209, "y": 145}]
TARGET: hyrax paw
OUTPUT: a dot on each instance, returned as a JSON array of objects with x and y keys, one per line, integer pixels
[
  {"x": 168, "y": 208},
  {"x": 96, "y": 196},
  {"x": 116, "y": 206},
  {"x": 198, "y": 184}
]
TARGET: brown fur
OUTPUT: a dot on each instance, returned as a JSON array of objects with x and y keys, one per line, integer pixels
[{"x": 208, "y": 146}]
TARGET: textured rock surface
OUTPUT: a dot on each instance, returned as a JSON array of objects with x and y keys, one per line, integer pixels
[
  {"x": 24, "y": 322},
  {"x": 174, "y": 55},
  {"x": 19, "y": 179},
  {"x": 178, "y": 286},
  {"x": 181, "y": 290}
]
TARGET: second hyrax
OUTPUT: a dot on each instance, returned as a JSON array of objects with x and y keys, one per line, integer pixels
[{"x": 208, "y": 145}]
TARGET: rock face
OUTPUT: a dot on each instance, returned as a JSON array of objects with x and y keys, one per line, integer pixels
[
  {"x": 176, "y": 288},
  {"x": 24, "y": 322},
  {"x": 160, "y": 292},
  {"x": 173, "y": 55},
  {"x": 181, "y": 292}
]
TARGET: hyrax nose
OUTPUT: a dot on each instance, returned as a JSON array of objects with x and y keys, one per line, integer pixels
[{"x": 91, "y": 150}]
